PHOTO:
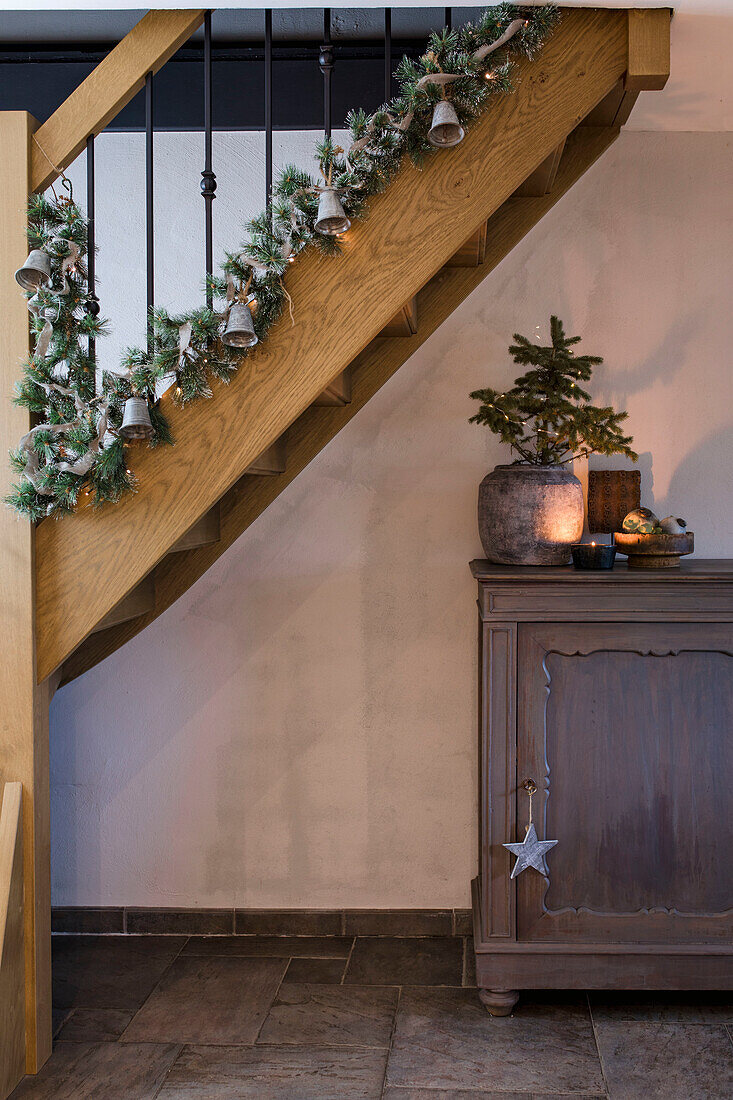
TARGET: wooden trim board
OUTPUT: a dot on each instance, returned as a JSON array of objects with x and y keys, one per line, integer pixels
[
  {"x": 375, "y": 366},
  {"x": 87, "y": 565},
  {"x": 12, "y": 971}
]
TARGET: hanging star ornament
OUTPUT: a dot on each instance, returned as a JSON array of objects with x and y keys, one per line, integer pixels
[{"x": 530, "y": 853}]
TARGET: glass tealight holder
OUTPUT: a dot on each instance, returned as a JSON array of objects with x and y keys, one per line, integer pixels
[{"x": 593, "y": 555}]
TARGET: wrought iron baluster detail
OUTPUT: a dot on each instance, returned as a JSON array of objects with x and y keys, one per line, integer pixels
[
  {"x": 325, "y": 61},
  {"x": 208, "y": 179},
  {"x": 268, "y": 110},
  {"x": 91, "y": 306},
  {"x": 387, "y": 54},
  {"x": 149, "y": 209}
]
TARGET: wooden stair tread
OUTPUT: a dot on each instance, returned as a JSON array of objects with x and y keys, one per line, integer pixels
[{"x": 337, "y": 392}]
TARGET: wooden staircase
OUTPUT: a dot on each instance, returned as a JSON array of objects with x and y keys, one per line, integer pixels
[{"x": 101, "y": 577}]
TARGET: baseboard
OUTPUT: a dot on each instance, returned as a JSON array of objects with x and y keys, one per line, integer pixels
[{"x": 113, "y": 920}]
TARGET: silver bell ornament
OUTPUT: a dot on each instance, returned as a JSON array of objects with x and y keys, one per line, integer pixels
[
  {"x": 136, "y": 420},
  {"x": 240, "y": 330},
  {"x": 36, "y": 271},
  {"x": 331, "y": 218},
  {"x": 445, "y": 130}
]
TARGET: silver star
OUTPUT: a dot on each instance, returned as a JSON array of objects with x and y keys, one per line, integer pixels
[{"x": 530, "y": 853}]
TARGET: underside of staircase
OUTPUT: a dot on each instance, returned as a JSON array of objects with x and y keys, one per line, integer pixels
[{"x": 103, "y": 575}]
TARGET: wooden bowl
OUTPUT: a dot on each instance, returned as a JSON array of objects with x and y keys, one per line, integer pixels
[{"x": 655, "y": 551}]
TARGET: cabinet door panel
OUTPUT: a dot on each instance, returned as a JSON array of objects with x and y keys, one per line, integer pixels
[{"x": 628, "y": 732}]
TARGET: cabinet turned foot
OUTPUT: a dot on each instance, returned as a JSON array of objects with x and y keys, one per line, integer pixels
[{"x": 499, "y": 1002}]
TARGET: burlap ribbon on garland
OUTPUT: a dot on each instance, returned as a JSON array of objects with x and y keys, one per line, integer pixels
[{"x": 442, "y": 80}]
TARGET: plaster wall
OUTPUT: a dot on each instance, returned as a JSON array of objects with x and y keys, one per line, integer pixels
[{"x": 299, "y": 729}]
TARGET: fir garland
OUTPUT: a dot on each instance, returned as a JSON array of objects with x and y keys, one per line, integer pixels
[{"x": 76, "y": 453}]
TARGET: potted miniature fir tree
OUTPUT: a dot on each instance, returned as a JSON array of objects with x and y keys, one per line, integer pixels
[{"x": 531, "y": 512}]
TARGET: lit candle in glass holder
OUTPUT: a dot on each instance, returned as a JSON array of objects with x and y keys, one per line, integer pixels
[{"x": 593, "y": 555}]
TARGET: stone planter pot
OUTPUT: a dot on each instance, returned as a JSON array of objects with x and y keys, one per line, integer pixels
[{"x": 530, "y": 515}]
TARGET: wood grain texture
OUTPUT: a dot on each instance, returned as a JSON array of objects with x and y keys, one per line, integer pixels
[
  {"x": 370, "y": 370},
  {"x": 137, "y": 602},
  {"x": 337, "y": 392},
  {"x": 107, "y": 89},
  {"x": 404, "y": 322},
  {"x": 12, "y": 971},
  {"x": 24, "y": 711},
  {"x": 649, "y": 40},
  {"x": 87, "y": 567},
  {"x": 471, "y": 253},
  {"x": 542, "y": 180}
]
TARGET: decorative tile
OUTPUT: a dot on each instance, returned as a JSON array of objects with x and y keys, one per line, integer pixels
[
  {"x": 432, "y": 960},
  {"x": 95, "y": 1025},
  {"x": 109, "y": 971},
  {"x": 100, "y": 1071},
  {"x": 331, "y": 1015},
  {"x": 208, "y": 1000},
  {"x": 323, "y": 971},
  {"x": 279, "y": 947},
  {"x": 665, "y": 1061},
  {"x": 75, "y": 919},
  {"x": 285, "y": 1073},
  {"x": 182, "y": 922},
  {"x": 663, "y": 1006},
  {"x": 398, "y": 922},
  {"x": 445, "y": 1039},
  {"x": 288, "y": 922}
]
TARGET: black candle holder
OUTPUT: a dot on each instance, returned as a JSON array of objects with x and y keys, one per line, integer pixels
[{"x": 593, "y": 555}]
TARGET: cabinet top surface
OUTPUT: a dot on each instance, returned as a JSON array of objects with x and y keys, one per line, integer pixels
[{"x": 718, "y": 570}]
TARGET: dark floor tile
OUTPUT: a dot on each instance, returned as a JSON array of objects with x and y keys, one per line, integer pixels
[
  {"x": 462, "y": 922},
  {"x": 432, "y": 960},
  {"x": 95, "y": 1025},
  {"x": 288, "y": 922},
  {"x": 663, "y": 1006},
  {"x": 276, "y": 1073},
  {"x": 331, "y": 1015},
  {"x": 279, "y": 947},
  {"x": 109, "y": 971},
  {"x": 181, "y": 922},
  {"x": 670, "y": 1061},
  {"x": 81, "y": 919},
  {"x": 323, "y": 971},
  {"x": 209, "y": 1000},
  {"x": 445, "y": 1039},
  {"x": 100, "y": 1071},
  {"x": 398, "y": 922}
]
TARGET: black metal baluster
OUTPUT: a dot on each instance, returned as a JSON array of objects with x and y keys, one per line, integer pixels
[
  {"x": 449, "y": 18},
  {"x": 387, "y": 54},
  {"x": 208, "y": 179},
  {"x": 268, "y": 109},
  {"x": 92, "y": 302},
  {"x": 149, "y": 212},
  {"x": 325, "y": 60}
]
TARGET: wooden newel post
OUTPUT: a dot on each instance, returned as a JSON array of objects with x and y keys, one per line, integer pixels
[{"x": 23, "y": 704}]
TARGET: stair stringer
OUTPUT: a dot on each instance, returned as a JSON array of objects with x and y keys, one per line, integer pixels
[
  {"x": 371, "y": 369},
  {"x": 87, "y": 564}
]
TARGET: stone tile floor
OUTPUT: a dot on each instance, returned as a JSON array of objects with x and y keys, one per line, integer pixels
[{"x": 365, "y": 1018}]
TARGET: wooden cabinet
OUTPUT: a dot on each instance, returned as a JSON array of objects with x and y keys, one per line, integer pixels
[{"x": 614, "y": 693}]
